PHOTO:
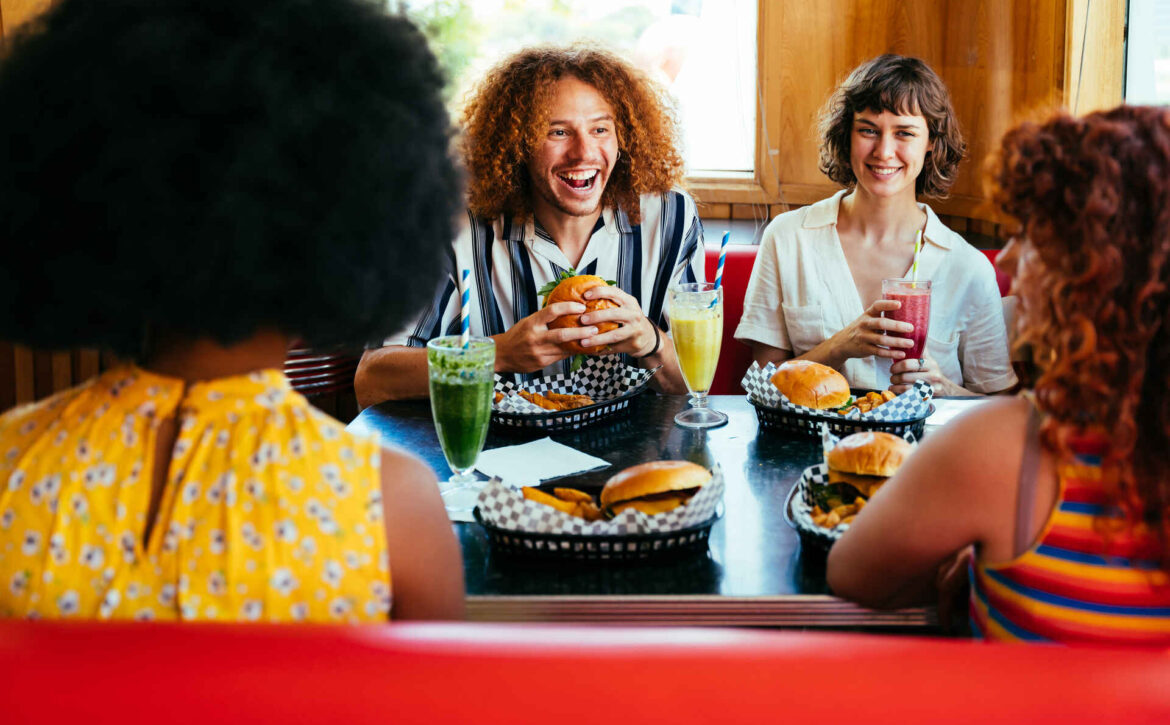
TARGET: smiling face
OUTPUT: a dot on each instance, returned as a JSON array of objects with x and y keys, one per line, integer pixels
[
  {"x": 887, "y": 152},
  {"x": 575, "y": 158}
]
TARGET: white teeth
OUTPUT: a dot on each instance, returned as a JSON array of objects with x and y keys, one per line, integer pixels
[
  {"x": 883, "y": 172},
  {"x": 579, "y": 175}
]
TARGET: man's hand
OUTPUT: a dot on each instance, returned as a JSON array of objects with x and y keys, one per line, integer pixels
[
  {"x": 635, "y": 332},
  {"x": 529, "y": 345}
]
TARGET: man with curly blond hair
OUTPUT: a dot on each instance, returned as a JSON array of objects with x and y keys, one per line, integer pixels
[{"x": 573, "y": 163}]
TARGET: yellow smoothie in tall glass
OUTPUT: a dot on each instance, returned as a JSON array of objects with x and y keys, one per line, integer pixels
[{"x": 697, "y": 334}]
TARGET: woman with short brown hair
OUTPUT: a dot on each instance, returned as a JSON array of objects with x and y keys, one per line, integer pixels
[{"x": 889, "y": 133}]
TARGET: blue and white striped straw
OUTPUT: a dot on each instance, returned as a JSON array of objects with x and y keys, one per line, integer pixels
[
  {"x": 465, "y": 310},
  {"x": 722, "y": 258}
]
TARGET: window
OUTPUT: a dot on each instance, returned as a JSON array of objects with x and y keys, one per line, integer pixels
[
  {"x": 1147, "y": 53},
  {"x": 703, "y": 51}
]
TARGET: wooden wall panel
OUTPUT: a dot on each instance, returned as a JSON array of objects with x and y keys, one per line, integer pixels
[
  {"x": 42, "y": 374},
  {"x": 999, "y": 59},
  {"x": 23, "y": 386},
  {"x": 15, "y": 12},
  {"x": 88, "y": 365},
  {"x": 714, "y": 211},
  {"x": 27, "y": 375},
  {"x": 1003, "y": 61}
]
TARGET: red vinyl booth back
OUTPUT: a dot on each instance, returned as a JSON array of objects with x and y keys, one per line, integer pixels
[
  {"x": 734, "y": 357},
  {"x": 1003, "y": 280},
  {"x": 77, "y": 672}
]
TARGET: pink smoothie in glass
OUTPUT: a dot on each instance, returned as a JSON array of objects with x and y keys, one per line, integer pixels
[{"x": 915, "y": 309}]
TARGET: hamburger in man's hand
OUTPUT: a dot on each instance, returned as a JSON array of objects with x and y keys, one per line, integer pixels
[
  {"x": 811, "y": 384},
  {"x": 571, "y": 287},
  {"x": 653, "y": 488}
]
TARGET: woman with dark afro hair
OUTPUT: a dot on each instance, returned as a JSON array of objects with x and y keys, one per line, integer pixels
[
  {"x": 888, "y": 135},
  {"x": 1064, "y": 492},
  {"x": 191, "y": 184}
]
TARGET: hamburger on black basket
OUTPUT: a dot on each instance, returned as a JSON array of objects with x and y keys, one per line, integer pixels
[
  {"x": 811, "y": 384},
  {"x": 858, "y": 466},
  {"x": 653, "y": 488}
]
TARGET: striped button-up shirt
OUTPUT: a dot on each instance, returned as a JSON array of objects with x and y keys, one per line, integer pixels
[{"x": 509, "y": 262}]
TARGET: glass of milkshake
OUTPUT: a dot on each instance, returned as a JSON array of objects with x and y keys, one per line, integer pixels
[
  {"x": 695, "y": 311},
  {"x": 461, "y": 384},
  {"x": 915, "y": 309}
]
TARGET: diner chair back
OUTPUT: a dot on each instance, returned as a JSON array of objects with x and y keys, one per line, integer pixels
[
  {"x": 131, "y": 672},
  {"x": 324, "y": 377},
  {"x": 734, "y": 357},
  {"x": 1020, "y": 355},
  {"x": 1002, "y": 279}
]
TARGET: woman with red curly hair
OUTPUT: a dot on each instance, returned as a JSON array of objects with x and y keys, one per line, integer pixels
[
  {"x": 1065, "y": 492},
  {"x": 573, "y": 163}
]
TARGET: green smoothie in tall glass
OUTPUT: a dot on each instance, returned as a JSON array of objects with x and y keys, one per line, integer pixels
[
  {"x": 461, "y": 383},
  {"x": 462, "y": 411}
]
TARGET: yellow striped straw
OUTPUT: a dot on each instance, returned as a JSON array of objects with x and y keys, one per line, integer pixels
[{"x": 914, "y": 265}]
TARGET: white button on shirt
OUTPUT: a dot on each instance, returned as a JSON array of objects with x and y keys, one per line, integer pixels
[{"x": 801, "y": 293}]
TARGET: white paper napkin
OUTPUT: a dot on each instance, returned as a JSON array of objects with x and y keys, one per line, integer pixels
[
  {"x": 946, "y": 409},
  {"x": 530, "y": 463}
]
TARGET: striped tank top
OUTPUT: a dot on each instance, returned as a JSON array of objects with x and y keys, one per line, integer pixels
[{"x": 1078, "y": 582}]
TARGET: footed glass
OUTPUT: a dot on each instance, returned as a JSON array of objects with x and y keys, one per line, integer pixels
[
  {"x": 696, "y": 328},
  {"x": 461, "y": 384}
]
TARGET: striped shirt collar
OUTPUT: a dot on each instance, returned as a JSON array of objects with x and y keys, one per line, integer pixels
[{"x": 540, "y": 242}]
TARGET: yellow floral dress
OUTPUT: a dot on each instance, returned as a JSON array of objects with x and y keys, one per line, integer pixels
[{"x": 271, "y": 511}]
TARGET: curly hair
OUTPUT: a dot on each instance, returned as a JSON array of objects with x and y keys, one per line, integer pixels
[
  {"x": 209, "y": 168},
  {"x": 505, "y": 121},
  {"x": 1090, "y": 201},
  {"x": 900, "y": 85}
]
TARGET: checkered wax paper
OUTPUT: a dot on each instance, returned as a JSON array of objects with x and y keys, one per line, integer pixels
[
  {"x": 802, "y": 503},
  {"x": 601, "y": 378},
  {"x": 910, "y": 405},
  {"x": 506, "y": 508}
]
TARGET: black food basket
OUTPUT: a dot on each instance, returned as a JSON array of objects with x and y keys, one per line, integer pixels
[
  {"x": 627, "y": 548},
  {"x": 808, "y": 425},
  {"x": 813, "y": 538},
  {"x": 563, "y": 420}
]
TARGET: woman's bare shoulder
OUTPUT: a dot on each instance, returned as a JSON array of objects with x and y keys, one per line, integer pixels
[
  {"x": 401, "y": 469},
  {"x": 984, "y": 444}
]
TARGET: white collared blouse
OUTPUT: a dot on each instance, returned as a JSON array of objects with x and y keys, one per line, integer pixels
[{"x": 801, "y": 293}]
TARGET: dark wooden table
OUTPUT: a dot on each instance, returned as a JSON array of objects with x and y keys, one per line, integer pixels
[{"x": 755, "y": 573}]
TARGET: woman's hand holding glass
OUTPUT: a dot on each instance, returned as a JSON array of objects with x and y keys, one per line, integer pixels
[
  {"x": 904, "y": 372},
  {"x": 867, "y": 336}
]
